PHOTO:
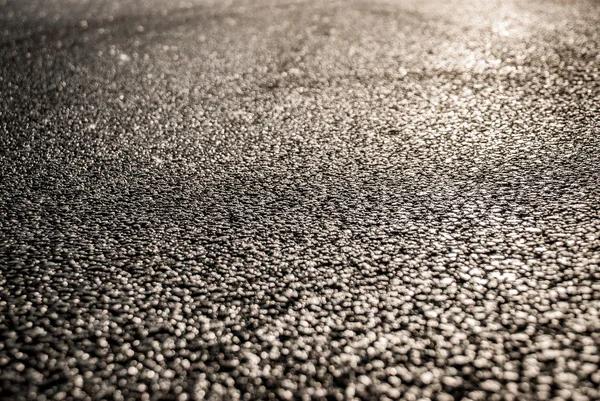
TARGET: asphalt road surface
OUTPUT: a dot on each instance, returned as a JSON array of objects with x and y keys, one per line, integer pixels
[{"x": 299, "y": 200}]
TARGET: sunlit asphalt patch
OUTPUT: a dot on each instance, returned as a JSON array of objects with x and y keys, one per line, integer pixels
[{"x": 309, "y": 200}]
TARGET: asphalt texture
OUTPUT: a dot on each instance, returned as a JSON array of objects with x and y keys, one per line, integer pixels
[{"x": 299, "y": 200}]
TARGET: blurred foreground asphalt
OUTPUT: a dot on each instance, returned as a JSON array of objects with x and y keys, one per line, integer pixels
[{"x": 299, "y": 200}]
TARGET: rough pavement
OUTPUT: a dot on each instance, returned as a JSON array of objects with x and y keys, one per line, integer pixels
[{"x": 299, "y": 200}]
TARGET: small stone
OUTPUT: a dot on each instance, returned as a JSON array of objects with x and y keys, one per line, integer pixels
[{"x": 491, "y": 386}]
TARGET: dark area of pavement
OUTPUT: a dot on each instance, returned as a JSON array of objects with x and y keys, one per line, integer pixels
[{"x": 299, "y": 200}]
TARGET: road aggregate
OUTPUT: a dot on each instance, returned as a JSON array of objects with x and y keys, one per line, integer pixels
[{"x": 299, "y": 200}]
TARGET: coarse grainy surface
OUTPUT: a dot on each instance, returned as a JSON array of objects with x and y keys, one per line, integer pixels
[{"x": 299, "y": 200}]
